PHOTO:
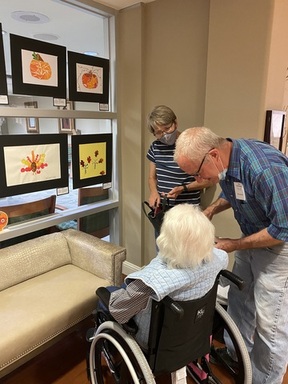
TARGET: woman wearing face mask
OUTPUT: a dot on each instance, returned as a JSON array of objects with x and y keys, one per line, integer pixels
[{"x": 165, "y": 176}]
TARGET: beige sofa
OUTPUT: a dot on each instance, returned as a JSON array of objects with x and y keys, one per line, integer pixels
[{"x": 47, "y": 286}]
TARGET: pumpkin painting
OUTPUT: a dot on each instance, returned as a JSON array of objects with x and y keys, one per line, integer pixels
[
  {"x": 89, "y": 80},
  {"x": 3, "y": 220},
  {"x": 40, "y": 68}
]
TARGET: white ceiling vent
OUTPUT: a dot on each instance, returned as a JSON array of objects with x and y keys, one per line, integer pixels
[
  {"x": 46, "y": 36},
  {"x": 30, "y": 17}
]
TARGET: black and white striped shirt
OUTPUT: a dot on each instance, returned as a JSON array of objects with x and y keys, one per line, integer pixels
[{"x": 169, "y": 174}]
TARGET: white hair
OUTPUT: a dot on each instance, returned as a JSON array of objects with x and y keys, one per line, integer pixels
[
  {"x": 186, "y": 238},
  {"x": 193, "y": 143}
]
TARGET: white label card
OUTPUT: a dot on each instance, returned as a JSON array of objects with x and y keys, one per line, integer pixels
[{"x": 239, "y": 191}]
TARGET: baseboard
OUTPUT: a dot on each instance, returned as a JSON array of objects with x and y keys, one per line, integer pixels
[{"x": 129, "y": 268}]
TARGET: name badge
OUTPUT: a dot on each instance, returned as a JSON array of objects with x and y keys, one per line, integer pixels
[{"x": 239, "y": 191}]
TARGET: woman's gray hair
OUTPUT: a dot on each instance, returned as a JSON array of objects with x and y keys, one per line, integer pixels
[
  {"x": 186, "y": 238},
  {"x": 193, "y": 143},
  {"x": 160, "y": 115}
]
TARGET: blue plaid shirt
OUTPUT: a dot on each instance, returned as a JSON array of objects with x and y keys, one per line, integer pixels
[{"x": 263, "y": 172}]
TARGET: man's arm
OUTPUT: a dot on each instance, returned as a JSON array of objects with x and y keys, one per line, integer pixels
[
  {"x": 260, "y": 239},
  {"x": 218, "y": 206},
  {"x": 194, "y": 185}
]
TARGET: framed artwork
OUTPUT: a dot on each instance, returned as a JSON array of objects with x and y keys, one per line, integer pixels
[
  {"x": 38, "y": 162},
  {"x": 88, "y": 78},
  {"x": 3, "y": 79},
  {"x": 38, "y": 68},
  {"x": 274, "y": 128},
  {"x": 32, "y": 123},
  {"x": 91, "y": 159},
  {"x": 67, "y": 125}
]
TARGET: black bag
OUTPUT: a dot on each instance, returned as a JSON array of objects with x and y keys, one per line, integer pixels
[{"x": 156, "y": 216}]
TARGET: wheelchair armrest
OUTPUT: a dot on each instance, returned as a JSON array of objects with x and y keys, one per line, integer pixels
[
  {"x": 233, "y": 278},
  {"x": 104, "y": 295},
  {"x": 175, "y": 307}
]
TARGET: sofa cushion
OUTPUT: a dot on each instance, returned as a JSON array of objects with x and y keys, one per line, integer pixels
[
  {"x": 32, "y": 258},
  {"x": 32, "y": 313}
]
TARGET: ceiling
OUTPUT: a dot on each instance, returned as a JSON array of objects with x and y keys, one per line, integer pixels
[
  {"x": 81, "y": 31},
  {"x": 120, "y": 4}
]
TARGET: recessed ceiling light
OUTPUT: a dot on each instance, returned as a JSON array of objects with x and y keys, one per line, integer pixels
[
  {"x": 46, "y": 36},
  {"x": 30, "y": 17}
]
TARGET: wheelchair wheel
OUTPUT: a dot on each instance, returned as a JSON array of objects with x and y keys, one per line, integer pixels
[
  {"x": 241, "y": 372},
  {"x": 117, "y": 354}
]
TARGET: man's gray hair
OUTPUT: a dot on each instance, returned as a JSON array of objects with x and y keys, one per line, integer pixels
[{"x": 193, "y": 143}]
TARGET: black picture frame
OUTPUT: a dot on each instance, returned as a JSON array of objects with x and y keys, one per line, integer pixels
[
  {"x": 97, "y": 88},
  {"x": 95, "y": 171},
  {"x": 26, "y": 55},
  {"x": 274, "y": 128},
  {"x": 3, "y": 77},
  {"x": 21, "y": 144}
]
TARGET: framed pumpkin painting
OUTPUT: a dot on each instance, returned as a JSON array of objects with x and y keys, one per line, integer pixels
[
  {"x": 38, "y": 68},
  {"x": 88, "y": 78}
]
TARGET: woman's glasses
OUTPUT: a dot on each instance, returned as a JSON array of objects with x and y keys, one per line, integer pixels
[{"x": 165, "y": 129}]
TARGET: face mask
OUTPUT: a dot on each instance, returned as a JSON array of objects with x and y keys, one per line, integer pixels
[
  {"x": 222, "y": 174},
  {"x": 169, "y": 138}
]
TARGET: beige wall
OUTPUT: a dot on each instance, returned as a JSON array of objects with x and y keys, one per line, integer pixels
[
  {"x": 130, "y": 101},
  {"x": 221, "y": 63},
  {"x": 246, "y": 71},
  {"x": 170, "y": 68}
]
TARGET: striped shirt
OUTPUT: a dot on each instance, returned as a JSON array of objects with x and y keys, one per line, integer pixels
[
  {"x": 263, "y": 172},
  {"x": 136, "y": 293},
  {"x": 169, "y": 174}
]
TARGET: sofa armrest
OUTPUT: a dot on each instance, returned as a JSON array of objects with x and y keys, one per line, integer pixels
[{"x": 96, "y": 256}]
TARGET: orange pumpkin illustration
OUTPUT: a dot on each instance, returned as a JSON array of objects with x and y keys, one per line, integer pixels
[
  {"x": 40, "y": 68},
  {"x": 89, "y": 80},
  {"x": 3, "y": 220}
]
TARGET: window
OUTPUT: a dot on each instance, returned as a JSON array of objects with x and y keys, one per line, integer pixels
[{"x": 96, "y": 34}]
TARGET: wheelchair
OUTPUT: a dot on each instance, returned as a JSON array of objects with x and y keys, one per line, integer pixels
[{"x": 183, "y": 336}]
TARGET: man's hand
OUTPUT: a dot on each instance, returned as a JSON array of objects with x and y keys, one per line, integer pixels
[
  {"x": 175, "y": 192},
  {"x": 226, "y": 244}
]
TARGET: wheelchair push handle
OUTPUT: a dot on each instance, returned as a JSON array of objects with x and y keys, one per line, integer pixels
[
  {"x": 233, "y": 278},
  {"x": 175, "y": 307}
]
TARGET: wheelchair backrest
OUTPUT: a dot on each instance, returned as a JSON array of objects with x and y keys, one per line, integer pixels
[{"x": 177, "y": 339}]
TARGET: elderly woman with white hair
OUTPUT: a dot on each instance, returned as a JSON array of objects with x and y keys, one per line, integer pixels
[{"x": 185, "y": 268}]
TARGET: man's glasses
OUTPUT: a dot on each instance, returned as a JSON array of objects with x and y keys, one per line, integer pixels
[{"x": 197, "y": 174}]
